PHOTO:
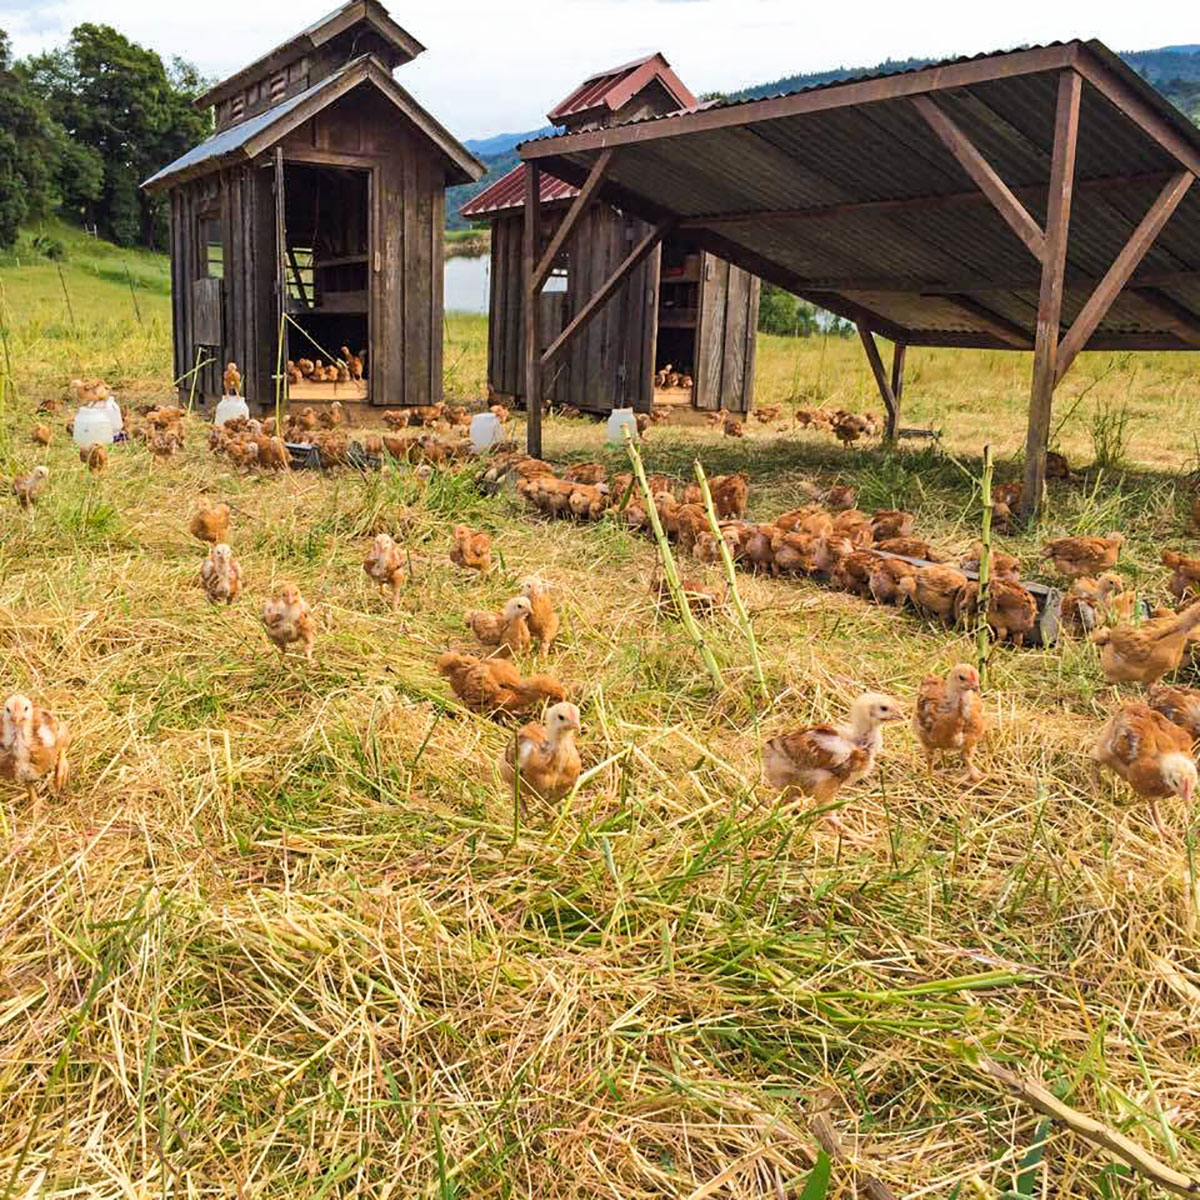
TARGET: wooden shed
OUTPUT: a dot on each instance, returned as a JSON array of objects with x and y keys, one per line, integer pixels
[
  {"x": 321, "y": 194},
  {"x": 683, "y": 315}
]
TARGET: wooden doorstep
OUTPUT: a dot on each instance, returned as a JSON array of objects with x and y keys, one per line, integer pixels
[{"x": 357, "y": 390}]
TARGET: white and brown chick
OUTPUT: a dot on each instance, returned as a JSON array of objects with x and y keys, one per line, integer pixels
[
  {"x": 471, "y": 550},
  {"x": 949, "y": 716},
  {"x": 506, "y": 630},
  {"x": 27, "y": 488},
  {"x": 33, "y": 744},
  {"x": 545, "y": 755},
  {"x": 543, "y": 617},
  {"x": 288, "y": 619},
  {"x": 221, "y": 575},
  {"x": 385, "y": 566}
]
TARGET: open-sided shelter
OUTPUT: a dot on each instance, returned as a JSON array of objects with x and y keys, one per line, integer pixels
[
  {"x": 681, "y": 309},
  {"x": 321, "y": 194},
  {"x": 1038, "y": 200}
]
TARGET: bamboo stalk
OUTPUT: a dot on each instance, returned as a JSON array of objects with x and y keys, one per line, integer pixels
[
  {"x": 70, "y": 311},
  {"x": 133, "y": 295},
  {"x": 668, "y": 564},
  {"x": 983, "y": 629},
  {"x": 195, "y": 374},
  {"x": 731, "y": 573}
]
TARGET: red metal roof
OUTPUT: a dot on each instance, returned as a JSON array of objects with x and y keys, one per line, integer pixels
[
  {"x": 508, "y": 193},
  {"x": 614, "y": 88}
]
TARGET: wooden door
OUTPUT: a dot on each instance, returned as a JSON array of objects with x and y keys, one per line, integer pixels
[{"x": 710, "y": 332}]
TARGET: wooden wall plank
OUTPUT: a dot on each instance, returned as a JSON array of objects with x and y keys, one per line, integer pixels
[{"x": 733, "y": 354}]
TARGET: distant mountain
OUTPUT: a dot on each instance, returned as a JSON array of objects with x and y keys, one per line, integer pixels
[{"x": 1174, "y": 70}]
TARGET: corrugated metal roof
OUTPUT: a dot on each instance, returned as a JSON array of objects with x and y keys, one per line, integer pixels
[
  {"x": 591, "y": 92},
  {"x": 609, "y": 90},
  {"x": 843, "y": 192},
  {"x": 508, "y": 193}
]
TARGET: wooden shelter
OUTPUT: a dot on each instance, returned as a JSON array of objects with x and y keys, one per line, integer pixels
[
  {"x": 321, "y": 194},
  {"x": 680, "y": 309},
  {"x": 1037, "y": 200}
]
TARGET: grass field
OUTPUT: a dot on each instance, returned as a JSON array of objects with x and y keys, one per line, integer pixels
[{"x": 283, "y": 937}]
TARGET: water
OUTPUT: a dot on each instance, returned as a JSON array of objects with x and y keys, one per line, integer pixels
[{"x": 468, "y": 281}]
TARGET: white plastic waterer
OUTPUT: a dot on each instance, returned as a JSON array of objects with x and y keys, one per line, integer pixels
[
  {"x": 485, "y": 431},
  {"x": 93, "y": 426},
  {"x": 229, "y": 408},
  {"x": 617, "y": 420},
  {"x": 112, "y": 410}
]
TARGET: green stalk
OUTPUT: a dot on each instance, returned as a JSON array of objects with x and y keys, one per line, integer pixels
[
  {"x": 668, "y": 564},
  {"x": 982, "y": 629},
  {"x": 727, "y": 558},
  {"x": 195, "y": 374}
]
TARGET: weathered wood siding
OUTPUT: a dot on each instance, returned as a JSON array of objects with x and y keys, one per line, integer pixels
[{"x": 726, "y": 337}]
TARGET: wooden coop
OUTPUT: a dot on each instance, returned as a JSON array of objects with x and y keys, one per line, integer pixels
[
  {"x": 683, "y": 316},
  {"x": 321, "y": 196}
]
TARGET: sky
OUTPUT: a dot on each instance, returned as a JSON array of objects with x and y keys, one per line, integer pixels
[{"x": 497, "y": 67}]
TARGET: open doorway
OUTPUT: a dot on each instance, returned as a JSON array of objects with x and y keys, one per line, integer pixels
[
  {"x": 679, "y": 299},
  {"x": 327, "y": 250}
]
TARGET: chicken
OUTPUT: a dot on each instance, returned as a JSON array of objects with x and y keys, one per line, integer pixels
[
  {"x": 27, "y": 488},
  {"x": 1150, "y": 753},
  {"x": 547, "y": 761},
  {"x": 33, "y": 744},
  {"x": 41, "y": 434},
  {"x": 331, "y": 417},
  {"x": 587, "y": 502},
  {"x": 1181, "y": 706},
  {"x": 1005, "y": 498},
  {"x": 1185, "y": 577},
  {"x": 1076, "y": 556},
  {"x": 702, "y": 599},
  {"x": 500, "y": 412},
  {"x": 1003, "y": 566},
  {"x": 934, "y": 590},
  {"x": 231, "y": 380},
  {"x": 850, "y": 427},
  {"x": 1094, "y": 602},
  {"x": 1012, "y": 610},
  {"x": 274, "y": 454},
  {"x": 732, "y": 426},
  {"x": 949, "y": 716},
  {"x": 495, "y": 685},
  {"x": 892, "y": 523},
  {"x": 854, "y": 572},
  {"x": 810, "y": 519},
  {"x": 508, "y": 629},
  {"x": 767, "y": 413},
  {"x": 909, "y": 547},
  {"x": 396, "y": 418},
  {"x": 472, "y": 550},
  {"x": 841, "y": 497},
  {"x": 210, "y": 523},
  {"x": 821, "y": 759},
  {"x": 221, "y": 575},
  {"x": 543, "y": 619},
  {"x": 1145, "y": 653},
  {"x": 757, "y": 548},
  {"x": 885, "y": 577},
  {"x": 854, "y": 525},
  {"x": 1057, "y": 466},
  {"x": 385, "y": 566},
  {"x": 94, "y": 457},
  {"x": 288, "y": 619},
  {"x": 354, "y": 362},
  {"x": 729, "y": 495}
]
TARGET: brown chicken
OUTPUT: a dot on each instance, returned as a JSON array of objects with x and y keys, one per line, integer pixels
[
  {"x": 1003, "y": 566},
  {"x": 94, "y": 457},
  {"x": 354, "y": 362},
  {"x": 546, "y": 758},
  {"x": 1006, "y": 498},
  {"x": 841, "y": 497},
  {"x": 1094, "y": 602},
  {"x": 732, "y": 427},
  {"x": 385, "y": 565},
  {"x": 210, "y": 523},
  {"x": 850, "y": 427},
  {"x": 396, "y": 418},
  {"x": 507, "y": 630},
  {"x": 221, "y": 575},
  {"x": 41, "y": 434},
  {"x": 853, "y": 573},
  {"x": 543, "y": 618},
  {"x": 1185, "y": 574},
  {"x": 892, "y": 523},
  {"x": 27, "y": 488},
  {"x": 819, "y": 760},
  {"x": 231, "y": 380},
  {"x": 757, "y": 548},
  {"x": 1145, "y": 653},
  {"x": 1012, "y": 610},
  {"x": 702, "y": 599},
  {"x": 33, "y": 744},
  {"x": 934, "y": 590},
  {"x": 495, "y": 685},
  {"x": 730, "y": 494},
  {"x": 471, "y": 550},
  {"x": 909, "y": 547},
  {"x": 854, "y": 525},
  {"x": 288, "y": 619},
  {"x": 812, "y": 518},
  {"x": 1181, "y": 706},
  {"x": 767, "y": 413},
  {"x": 949, "y": 716},
  {"x": 1150, "y": 753},
  {"x": 884, "y": 579},
  {"x": 586, "y": 472},
  {"x": 500, "y": 412},
  {"x": 1076, "y": 556},
  {"x": 1057, "y": 466}
]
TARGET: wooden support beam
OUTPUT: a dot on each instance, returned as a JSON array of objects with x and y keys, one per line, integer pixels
[
  {"x": 531, "y": 325},
  {"x": 980, "y": 170},
  {"x": 607, "y": 290},
  {"x": 579, "y": 206},
  {"x": 1045, "y": 353},
  {"x": 991, "y": 322},
  {"x": 890, "y": 401},
  {"x": 899, "y": 353},
  {"x": 1181, "y": 320},
  {"x": 1122, "y": 269}
]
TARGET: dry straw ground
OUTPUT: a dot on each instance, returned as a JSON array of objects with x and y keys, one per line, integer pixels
[{"x": 282, "y": 936}]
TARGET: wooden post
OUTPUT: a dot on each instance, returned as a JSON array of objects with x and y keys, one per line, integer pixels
[
  {"x": 1045, "y": 352},
  {"x": 899, "y": 352},
  {"x": 890, "y": 401},
  {"x": 533, "y": 349}
]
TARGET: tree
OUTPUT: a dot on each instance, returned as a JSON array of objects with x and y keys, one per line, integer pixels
[
  {"x": 782, "y": 313},
  {"x": 28, "y": 151}
]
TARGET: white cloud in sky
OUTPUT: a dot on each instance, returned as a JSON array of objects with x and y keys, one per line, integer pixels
[{"x": 498, "y": 66}]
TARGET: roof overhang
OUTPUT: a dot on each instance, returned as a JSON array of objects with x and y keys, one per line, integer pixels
[
  {"x": 251, "y": 138},
  {"x": 845, "y": 195}
]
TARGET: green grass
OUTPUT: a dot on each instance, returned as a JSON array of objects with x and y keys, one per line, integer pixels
[{"x": 282, "y": 938}]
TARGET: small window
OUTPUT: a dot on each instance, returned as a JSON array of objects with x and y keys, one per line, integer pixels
[{"x": 211, "y": 247}]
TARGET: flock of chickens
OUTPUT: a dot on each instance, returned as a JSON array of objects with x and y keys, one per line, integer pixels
[{"x": 877, "y": 556}]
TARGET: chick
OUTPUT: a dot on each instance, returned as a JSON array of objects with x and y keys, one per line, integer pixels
[
  {"x": 94, "y": 457},
  {"x": 1181, "y": 706},
  {"x": 33, "y": 743},
  {"x": 507, "y": 630},
  {"x": 210, "y": 523},
  {"x": 27, "y": 488},
  {"x": 702, "y": 599},
  {"x": 1076, "y": 556},
  {"x": 1150, "y": 753},
  {"x": 934, "y": 590},
  {"x": 221, "y": 575},
  {"x": 472, "y": 550},
  {"x": 1145, "y": 653},
  {"x": 909, "y": 547},
  {"x": 41, "y": 434},
  {"x": 543, "y": 618},
  {"x": 385, "y": 566},
  {"x": 287, "y": 618},
  {"x": 1185, "y": 574},
  {"x": 841, "y": 497},
  {"x": 884, "y": 578},
  {"x": 892, "y": 523},
  {"x": 231, "y": 379},
  {"x": 730, "y": 494},
  {"x": 819, "y": 760},
  {"x": 1003, "y": 566},
  {"x": 545, "y": 755},
  {"x": 1012, "y": 610},
  {"x": 949, "y": 716},
  {"x": 732, "y": 426},
  {"x": 495, "y": 685}
]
